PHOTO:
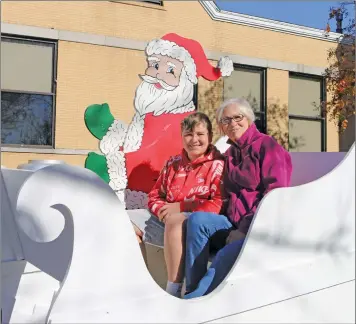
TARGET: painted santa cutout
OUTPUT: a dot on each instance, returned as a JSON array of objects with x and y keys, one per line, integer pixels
[{"x": 134, "y": 154}]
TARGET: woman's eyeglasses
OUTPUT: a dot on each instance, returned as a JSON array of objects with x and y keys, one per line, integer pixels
[{"x": 228, "y": 120}]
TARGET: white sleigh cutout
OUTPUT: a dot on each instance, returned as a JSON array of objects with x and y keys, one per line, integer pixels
[{"x": 302, "y": 241}]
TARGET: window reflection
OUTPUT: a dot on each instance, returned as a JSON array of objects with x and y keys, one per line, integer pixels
[
  {"x": 259, "y": 122},
  {"x": 26, "y": 119},
  {"x": 248, "y": 83}
]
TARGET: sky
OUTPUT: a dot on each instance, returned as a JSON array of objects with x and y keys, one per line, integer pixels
[{"x": 306, "y": 13}]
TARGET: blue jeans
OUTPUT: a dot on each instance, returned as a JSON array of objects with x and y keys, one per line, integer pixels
[
  {"x": 220, "y": 267},
  {"x": 205, "y": 232}
]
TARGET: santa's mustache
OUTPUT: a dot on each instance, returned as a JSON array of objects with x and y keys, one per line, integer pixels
[{"x": 153, "y": 80}]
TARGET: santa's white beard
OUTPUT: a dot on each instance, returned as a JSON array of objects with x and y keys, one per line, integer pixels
[{"x": 150, "y": 99}]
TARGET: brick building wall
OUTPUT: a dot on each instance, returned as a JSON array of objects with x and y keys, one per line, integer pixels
[{"x": 89, "y": 72}]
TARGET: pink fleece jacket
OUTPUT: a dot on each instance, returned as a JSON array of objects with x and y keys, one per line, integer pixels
[{"x": 255, "y": 164}]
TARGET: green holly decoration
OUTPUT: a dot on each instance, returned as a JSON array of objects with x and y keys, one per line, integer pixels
[
  {"x": 97, "y": 163},
  {"x": 98, "y": 119}
]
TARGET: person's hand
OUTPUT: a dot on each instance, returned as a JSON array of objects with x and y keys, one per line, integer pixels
[
  {"x": 160, "y": 214},
  {"x": 235, "y": 235},
  {"x": 167, "y": 210}
]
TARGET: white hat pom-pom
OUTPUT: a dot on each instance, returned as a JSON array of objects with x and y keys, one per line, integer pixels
[{"x": 226, "y": 66}]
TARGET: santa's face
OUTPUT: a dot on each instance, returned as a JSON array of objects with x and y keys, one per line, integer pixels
[
  {"x": 165, "y": 86},
  {"x": 165, "y": 69},
  {"x": 196, "y": 141}
]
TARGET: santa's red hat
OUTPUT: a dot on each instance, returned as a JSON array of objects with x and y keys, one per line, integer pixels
[{"x": 192, "y": 55}]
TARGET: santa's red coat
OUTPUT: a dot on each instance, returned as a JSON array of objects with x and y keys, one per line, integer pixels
[{"x": 161, "y": 140}]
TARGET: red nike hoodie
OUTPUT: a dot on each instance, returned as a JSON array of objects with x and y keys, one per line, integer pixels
[{"x": 195, "y": 184}]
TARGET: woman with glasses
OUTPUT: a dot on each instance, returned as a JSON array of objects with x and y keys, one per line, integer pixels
[{"x": 254, "y": 165}]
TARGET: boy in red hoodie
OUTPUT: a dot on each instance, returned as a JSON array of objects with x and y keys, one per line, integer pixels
[{"x": 189, "y": 182}]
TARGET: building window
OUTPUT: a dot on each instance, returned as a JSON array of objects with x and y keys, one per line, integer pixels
[
  {"x": 155, "y": 2},
  {"x": 195, "y": 96},
  {"x": 306, "y": 123},
  {"x": 249, "y": 82},
  {"x": 158, "y": 2},
  {"x": 27, "y": 92}
]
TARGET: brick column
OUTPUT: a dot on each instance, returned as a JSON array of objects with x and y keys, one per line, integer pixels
[
  {"x": 210, "y": 97},
  {"x": 277, "y": 105}
]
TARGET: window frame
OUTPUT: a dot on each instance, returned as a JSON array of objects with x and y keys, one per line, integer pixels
[
  {"x": 53, "y": 93},
  {"x": 322, "y": 118},
  {"x": 262, "y": 114}
]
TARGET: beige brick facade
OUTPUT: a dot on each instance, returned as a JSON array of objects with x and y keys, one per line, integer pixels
[
  {"x": 210, "y": 96},
  {"x": 89, "y": 73},
  {"x": 136, "y": 21},
  {"x": 12, "y": 159},
  {"x": 277, "y": 105}
]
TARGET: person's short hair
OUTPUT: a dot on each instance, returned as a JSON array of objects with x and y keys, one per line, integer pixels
[
  {"x": 189, "y": 122},
  {"x": 243, "y": 106}
]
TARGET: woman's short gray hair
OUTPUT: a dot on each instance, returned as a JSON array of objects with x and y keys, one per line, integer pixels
[{"x": 243, "y": 106}]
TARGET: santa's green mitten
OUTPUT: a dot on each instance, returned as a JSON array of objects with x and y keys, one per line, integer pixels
[
  {"x": 97, "y": 164},
  {"x": 98, "y": 119}
]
